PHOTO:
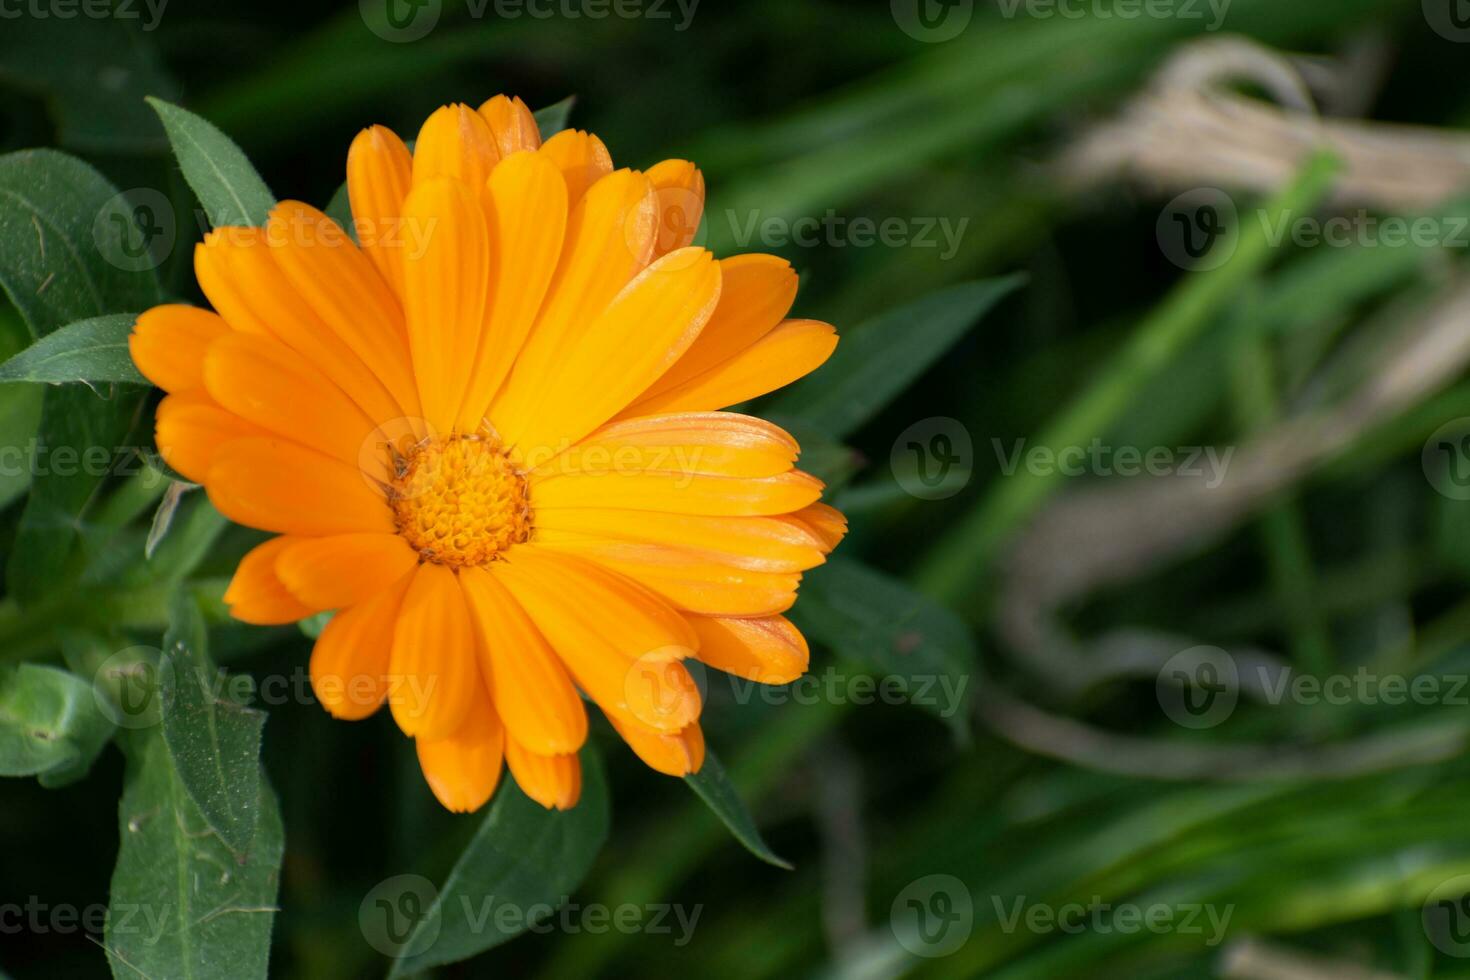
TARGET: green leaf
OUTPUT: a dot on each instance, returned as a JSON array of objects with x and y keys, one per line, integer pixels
[
  {"x": 312, "y": 626},
  {"x": 20, "y": 415},
  {"x": 553, "y": 119},
  {"x": 63, "y": 260},
  {"x": 878, "y": 360},
  {"x": 50, "y": 724},
  {"x": 92, "y": 350},
  {"x": 339, "y": 209},
  {"x": 713, "y": 786},
  {"x": 79, "y": 429},
  {"x": 216, "y": 168},
  {"x": 213, "y": 741},
  {"x": 882, "y": 624},
  {"x": 182, "y": 903},
  {"x": 67, "y": 246},
  {"x": 163, "y": 517},
  {"x": 522, "y": 858},
  {"x": 192, "y": 532}
]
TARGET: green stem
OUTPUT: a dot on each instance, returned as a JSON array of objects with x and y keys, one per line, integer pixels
[
  {"x": 951, "y": 571},
  {"x": 131, "y": 498},
  {"x": 1283, "y": 532}
]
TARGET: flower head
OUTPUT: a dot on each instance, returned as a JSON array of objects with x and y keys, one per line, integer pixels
[{"x": 489, "y": 435}]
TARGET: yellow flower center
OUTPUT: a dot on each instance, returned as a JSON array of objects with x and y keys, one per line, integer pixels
[{"x": 460, "y": 501}]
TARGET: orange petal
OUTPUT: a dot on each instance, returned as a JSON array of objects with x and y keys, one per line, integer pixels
[
  {"x": 680, "y": 189},
  {"x": 678, "y": 754},
  {"x": 609, "y": 361},
  {"x": 768, "y": 650},
  {"x": 632, "y": 669},
  {"x": 345, "y": 569},
  {"x": 791, "y": 351},
  {"x": 444, "y": 294},
  {"x": 675, "y": 492},
  {"x": 609, "y": 240},
  {"x": 191, "y": 429},
  {"x": 168, "y": 344},
  {"x": 239, "y": 275},
  {"x": 690, "y": 581},
  {"x": 351, "y": 660},
  {"x": 276, "y": 485},
  {"x": 582, "y": 159},
  {"x": 455, "y": 142},
  {"x": 436, "y": 673},
  {"x": 824, "y": 521},
  {"x": 526, "y": 216},
  {"x": 532, "y": 691},
  {"x": 267, "y": 383},
  {"x": 379, "y": 174},
  {"x": 756, "y": 292},
  {"x": 256, "y": 595},
  {"x": 714, "y": 443},
  {"x": 513, "y": 124},
  {"x": 345, "y": 291},
  {"x": 762, "y": 544},
  {"x": 554, "y": 781},
  {"x": 464, "y": 769}
]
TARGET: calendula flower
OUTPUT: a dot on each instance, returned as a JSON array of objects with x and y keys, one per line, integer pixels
[{"x": 490, "y": 437}]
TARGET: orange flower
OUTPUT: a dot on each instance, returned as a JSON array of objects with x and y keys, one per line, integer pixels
[{"x": 490, "y": 437}]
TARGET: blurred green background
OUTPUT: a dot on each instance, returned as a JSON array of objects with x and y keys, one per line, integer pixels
[{"x": 1136, "y": 725}]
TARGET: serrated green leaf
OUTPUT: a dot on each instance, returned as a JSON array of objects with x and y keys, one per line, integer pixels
[
  {"x": 877, "y": 361},
  {"x": 522, "y": 858},
  {"x": 213, "y": 741},
  {"x": 712, "y": 785},
  {"x": 183, "y": 904},
  {"x": 222, "y": 177},
  {"x": 61, "y": 259},
  {"x": 882, "y": 624},
  {"x": 553, "y": 118},
  {"x": 50, "y": 724},
  {"x": 93, "y": 350}
]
